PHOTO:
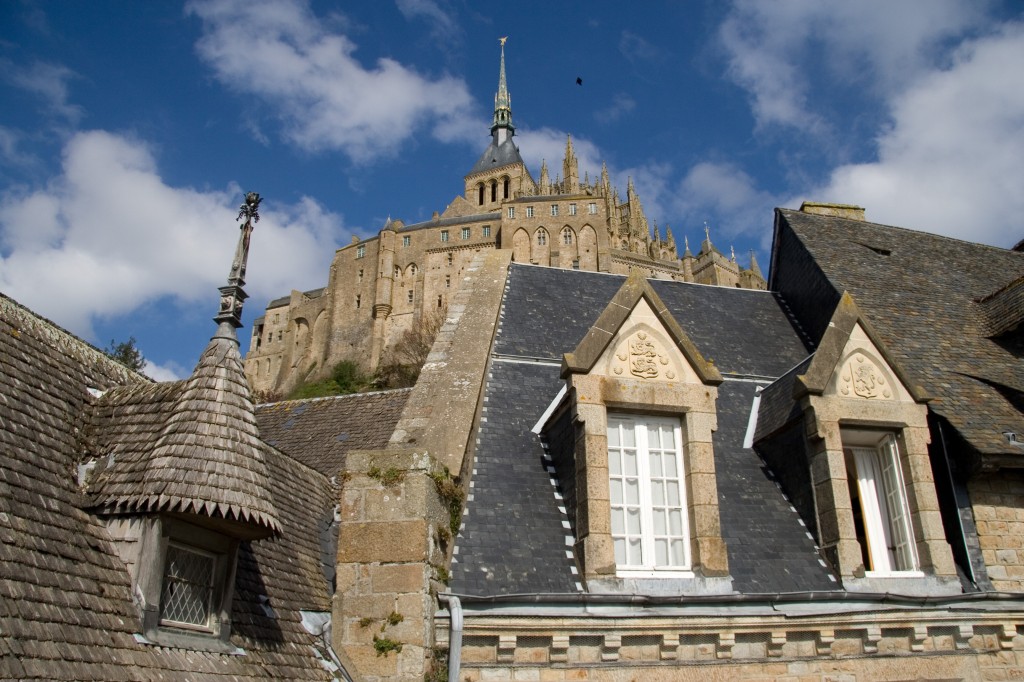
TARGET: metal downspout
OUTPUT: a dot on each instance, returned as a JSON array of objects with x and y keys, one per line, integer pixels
[{"x": 454, "y": 637}]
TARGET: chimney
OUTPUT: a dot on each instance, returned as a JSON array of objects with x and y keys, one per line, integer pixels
[{"x": 848, "y": 211}]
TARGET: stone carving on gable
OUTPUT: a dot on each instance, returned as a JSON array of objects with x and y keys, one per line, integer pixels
[
  {"x": 643, "y": 357},
  {"x": 862, "y": 378}
]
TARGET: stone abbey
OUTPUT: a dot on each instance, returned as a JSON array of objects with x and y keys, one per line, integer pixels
[{"x": 381, "y": 287}]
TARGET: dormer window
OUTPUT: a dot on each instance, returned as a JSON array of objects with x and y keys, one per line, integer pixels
[
  {"x": 189, "y": 580},
  {"x": 881, "y": 514},
  {"x": 647, "y": 495}
]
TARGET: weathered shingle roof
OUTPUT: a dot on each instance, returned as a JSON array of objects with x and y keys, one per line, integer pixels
[
  {"x": 204, "y": 457},
  {"x": 921, "y": 292},
  {"x": 319, "y": 431},
  {"x": 66, "y": 607}
]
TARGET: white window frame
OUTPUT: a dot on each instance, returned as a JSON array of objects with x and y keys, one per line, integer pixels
[
  {"x": 512, "y": 212},
  {"x": 465, "y": 233},
  {"x": 572, "y": 209},
  {"x": 406, "y": 241},
  {"x": 210, "y": 587},
  {"x": 529, "y": 211},
  {"x": 360, "y": 251},
  {"x": 592, "y": 208},
  {"x": 487, "y": 230},
  {"x": 645, "y": 486},
  {"x": 882, "y": 493},
  {"x": 554, "y": 209},
  {"x": 444, "y": 235}
]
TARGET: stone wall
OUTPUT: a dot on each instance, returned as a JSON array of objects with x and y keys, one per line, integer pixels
[{"x": 998, "y": 502}]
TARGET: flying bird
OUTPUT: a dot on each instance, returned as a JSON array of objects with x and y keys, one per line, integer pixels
[{"x": 579, "y": 81}]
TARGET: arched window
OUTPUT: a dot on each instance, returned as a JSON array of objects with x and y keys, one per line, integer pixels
[
  {"x": 506, "y": 188},
  {"x": 542, "y": 237},
  {"x": 480, "y": 192},
  {"x": 398, "y": 272},
  {"x": 412, "y": 270},
  {"x": 494, "y": 190},
  {"x": 567, "y": 236}
]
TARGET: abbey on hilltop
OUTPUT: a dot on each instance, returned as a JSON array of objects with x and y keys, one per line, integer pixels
[{"x": 381, "y": 287}]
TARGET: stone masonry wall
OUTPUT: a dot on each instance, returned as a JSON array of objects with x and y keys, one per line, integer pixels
[{"x": 998, "y": 502}]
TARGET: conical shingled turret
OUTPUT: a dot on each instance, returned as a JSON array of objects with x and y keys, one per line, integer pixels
[{"x": 192, "y": 446}]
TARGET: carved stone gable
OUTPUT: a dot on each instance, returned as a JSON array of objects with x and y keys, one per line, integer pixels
[
  {"x": 863, "y": 374},
  {"x": 643, "y": 349}
]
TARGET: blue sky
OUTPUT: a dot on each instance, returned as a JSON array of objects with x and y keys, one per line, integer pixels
[{"x": 130, "y": 130}]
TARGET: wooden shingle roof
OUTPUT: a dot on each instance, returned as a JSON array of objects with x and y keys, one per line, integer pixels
[
  {"x": 66, "y": 605},
  {"x": 191, "y": 447}
]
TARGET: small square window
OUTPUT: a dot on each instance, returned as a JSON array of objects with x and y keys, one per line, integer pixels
[
  {"x": 511, "y": 211},
  {"x": 449, "y": 259},
  {"x": 409, "y": 295},
  {"x": 487, "y": 230},
  {"x": 444, "y": 235},
  {"x": 406, "y": 241},
  {"x": 529, "y": 211},
  {"x": 572, "y": 209},
  {"x": 447, "y": 281},
  {"x": 360, "y": 251},
  {"x": 465, "y": 233},
  {"x": 592, "y": 208},
  {"x": 554, "y": 209}
]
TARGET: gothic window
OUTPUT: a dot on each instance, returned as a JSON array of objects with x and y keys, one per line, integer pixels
[
  {"x": 512, "y": 212},
  {"x": 592, "y": 208},
  {"x": 494, "y": 190},
  {"x": 412, "y": 270},
  {"x": 505, "y": 191},
  {"x": 480, "y": 192},
  {"x": 360, "y": 251},
  {"x": 647, "y": 493},
  {"x": 572, "y": 209},
  {"x": 567, "y": 236},
  {"x": 398, "y": 272},
  {"x": 529, "y": 211},
  {"x": 444, "y": 235},
  {"x": 487, "y": 230},
  {"x": 554, "y": 209},
  {"x": 542, "y": 237},
  {"x": 880, "y": 512},
  {"x": 465, "y": 233},
  {"x": 406, "y": 241}
]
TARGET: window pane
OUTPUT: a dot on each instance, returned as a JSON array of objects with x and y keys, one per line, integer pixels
[
  {"x": 673, "y": 493},
  {"x": 616, "y": 491},
  {"x": 678, "y": 553},
  {"x": 661, "y": 552},
  {"x": 655, "y": 465},
  {"x": 618, "y": 522},
  {"x": 670, "y": 465},
  {"x": 633, "y": 521},
  {"x": 188, "y": 586},
  {"x": 675, "y": 518},
  {"x": 660, "y": 523},
  {"x": 633, "y": 493},
  {"x": 635, "y": 555},
  {"x": 630, "y": 462},
  {"x": 613, "y": 435},
  {"x": 620, "y": 551},
  {"x": 628, "y": 438},
  {"x": 668, "y": 437},
  {"x": 614, "y": 463},
  {"x": 658, "y": 493}
]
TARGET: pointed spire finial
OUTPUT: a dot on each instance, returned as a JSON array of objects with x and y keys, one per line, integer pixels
[
  {"x": 502, "y": 103},
  {"x": 707, "y": 231},
  {"x": 232, "y": 296},
  {"x": 733, "y": 250}
]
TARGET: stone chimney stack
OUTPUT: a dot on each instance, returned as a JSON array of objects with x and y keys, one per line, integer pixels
[{"x": 848, "y": 211}]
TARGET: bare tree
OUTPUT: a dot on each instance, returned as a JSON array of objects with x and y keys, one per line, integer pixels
[{"x": 402, "y": 361}]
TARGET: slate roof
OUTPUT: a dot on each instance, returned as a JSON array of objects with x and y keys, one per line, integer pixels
[
  {"x": 319, "y": 431},
  {"x": 66, "y": 608},
  {"x": 496, "y": 156},
  {"x": 929, "y": 298},
  {"x": 545, "y": 313}
]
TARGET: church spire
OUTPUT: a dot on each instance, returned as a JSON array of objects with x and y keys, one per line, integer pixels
[{"x": 502, "y": 128}]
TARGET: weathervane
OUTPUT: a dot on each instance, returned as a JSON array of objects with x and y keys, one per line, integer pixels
[{"x": 232, "y": 296}]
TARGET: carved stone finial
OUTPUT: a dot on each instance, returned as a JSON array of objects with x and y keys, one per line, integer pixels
[
  {"x": 707, "y": 231},
  {"x": 232, "y": 295}
]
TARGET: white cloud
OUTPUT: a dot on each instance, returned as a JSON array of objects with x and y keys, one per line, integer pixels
[
  {"x": 47, "y": 81},
  {"x": 108, "y": 235},
  {"x": 728, "y": 199},
  {"x": 171, "y": 371},
  {"x": 874, "y": 46},
  {"x": 951, "y": 160},
  {"x": 326, "y": 99},
  {"x": 443, "y": 26},
  {"x": 621, "y": 105}
]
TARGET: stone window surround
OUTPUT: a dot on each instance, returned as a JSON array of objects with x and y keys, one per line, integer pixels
[
  {"x": 827, "y": 414},
  {"x": 158, "y": 532},
  {"x": 591, "y": 395}
]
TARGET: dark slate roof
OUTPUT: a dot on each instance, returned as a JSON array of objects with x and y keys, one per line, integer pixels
[
  {"x": 921, "y": 291},
  {"x": 448, "y": 222},
  {"x": 769, "y": 548},
  {"x": 743, "y": 331},
  {"x": 66, "y": 608},
  {"x": 545, "y": 313},
  {"x": 497, "y": 156},
  {"x": 199, "y": 452},
  {"x": 320, "y": 431},
  {"x": 512, "y": 540},
  {"x": 777, "y": 407}
]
